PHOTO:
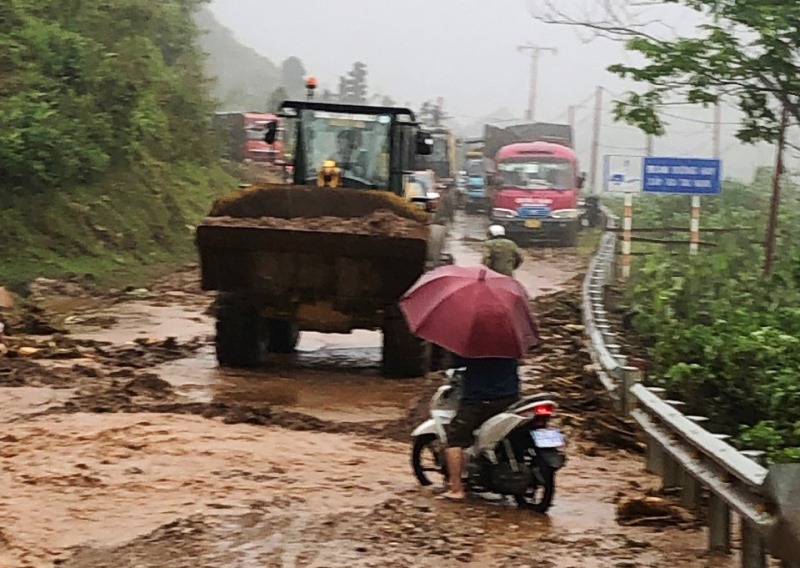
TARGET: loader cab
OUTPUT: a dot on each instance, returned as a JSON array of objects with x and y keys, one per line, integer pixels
[{"x": 370, "y": 147}]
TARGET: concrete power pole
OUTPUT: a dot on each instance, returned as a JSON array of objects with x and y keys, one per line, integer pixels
[
  {"x": 598, "y": 119},
  {"x": 535, "y": 52},
  {"x": 718, "y": 106}
]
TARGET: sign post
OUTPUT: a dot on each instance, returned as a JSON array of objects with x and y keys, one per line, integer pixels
[
  {"x": 686, "y": 176},
  {"x": 622, "y": 174}
]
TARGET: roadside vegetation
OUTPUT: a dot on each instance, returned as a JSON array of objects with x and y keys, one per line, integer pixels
[
  {"x": 105, "y": 146},
  {"x": 719, "y": 334}
]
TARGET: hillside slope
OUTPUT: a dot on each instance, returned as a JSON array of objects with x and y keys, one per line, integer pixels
[
  {"x": 105, "y": 148},
  {"x": 244, "y": 79}
]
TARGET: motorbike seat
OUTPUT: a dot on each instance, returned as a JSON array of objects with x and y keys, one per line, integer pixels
[{"x": 531, "y": 399}]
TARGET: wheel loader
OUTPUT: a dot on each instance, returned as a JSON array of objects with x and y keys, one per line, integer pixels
[{"x": 333, "y": 250}]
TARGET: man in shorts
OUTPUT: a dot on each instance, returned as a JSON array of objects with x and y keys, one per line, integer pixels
[{"x": 490, "y": 386}]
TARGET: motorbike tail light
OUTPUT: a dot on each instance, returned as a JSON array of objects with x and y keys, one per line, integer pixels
[{"x": 543, "y": 410}]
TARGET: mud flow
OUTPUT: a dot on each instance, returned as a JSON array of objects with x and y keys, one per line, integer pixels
[{"x": 124, "y": 445}]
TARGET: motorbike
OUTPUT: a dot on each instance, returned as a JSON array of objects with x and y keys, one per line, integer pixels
[{"x": 516, "y": 453}]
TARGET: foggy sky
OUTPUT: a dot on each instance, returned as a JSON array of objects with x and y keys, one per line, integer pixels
[
  {"x": 416, "y": 50},
  {"x": 466, "y": 52}
]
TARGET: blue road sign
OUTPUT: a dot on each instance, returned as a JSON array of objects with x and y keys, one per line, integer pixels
[{"x": 690, "y": 176}]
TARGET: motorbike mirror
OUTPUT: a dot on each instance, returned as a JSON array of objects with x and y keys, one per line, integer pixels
[{"x": 271, "y": 133}]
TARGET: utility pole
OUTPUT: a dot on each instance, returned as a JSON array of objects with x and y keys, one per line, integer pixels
[
  {"x": 717, "y": 106},
  {"x": 571, "y": 118},
  {"x": 776, "y": 194},
  {"x": 598, "y": 118},
  {"x": 649, "y": 144},
  {"x": 535, "y": 52}
]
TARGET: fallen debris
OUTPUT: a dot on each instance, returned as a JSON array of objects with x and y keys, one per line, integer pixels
[
  {"x": 562, "y": 365},
  {"x": 650, "y": 511}
]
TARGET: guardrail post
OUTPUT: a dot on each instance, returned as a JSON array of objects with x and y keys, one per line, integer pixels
[
  {"x": 671, "y": 474},
  {"x": 691, "y": 488},
  {"x": 690, "y": 492},
  {"x": 757, "y": 456},
  {"x": 753, "y": 553},
  {"x": 655, "y": 454},
  {"x": 630, "y": 376},
  {"x": 719, "y": 525}
]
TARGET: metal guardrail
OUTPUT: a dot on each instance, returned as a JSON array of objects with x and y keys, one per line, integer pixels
[{"x": 687, "y": 456}]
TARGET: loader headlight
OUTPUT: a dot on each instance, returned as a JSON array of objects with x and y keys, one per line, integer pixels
[
  {"x": 500, "y": 213},
  {"x": 565, "y": 214}
]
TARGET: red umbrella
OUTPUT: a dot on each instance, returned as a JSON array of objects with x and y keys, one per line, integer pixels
[{"x": 471, "y": 311}]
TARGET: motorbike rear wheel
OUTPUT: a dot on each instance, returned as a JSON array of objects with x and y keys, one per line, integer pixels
[
  {"x": 539, "y": 497},
  {"x": 429, "y": 443}
]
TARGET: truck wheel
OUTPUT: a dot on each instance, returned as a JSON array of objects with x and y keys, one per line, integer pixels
[
  {"x": 404, "y": 356},
  {"x": 283, "y": 336},
  {"x": 242, "y": 336}
]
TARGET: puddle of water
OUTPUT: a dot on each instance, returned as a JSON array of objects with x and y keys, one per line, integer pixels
[
  {"x": 327, "y": 395},
  {"x": 139, "y": 319}
]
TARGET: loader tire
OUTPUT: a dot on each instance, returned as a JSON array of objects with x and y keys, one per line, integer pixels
[
  {"x": 241, "y": 339},
  {"x": 404, "y": 356},
  {"x": 283, "y": 336}
]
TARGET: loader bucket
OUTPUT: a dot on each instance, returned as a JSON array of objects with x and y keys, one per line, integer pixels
[
  {"x": 330, "y": 260},
  {"x": 291, "y": 202}
]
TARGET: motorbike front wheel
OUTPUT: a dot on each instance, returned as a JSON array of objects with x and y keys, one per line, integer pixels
[
  {"x": 426, "y": 446},
  {"x": 540, "y": 495}
]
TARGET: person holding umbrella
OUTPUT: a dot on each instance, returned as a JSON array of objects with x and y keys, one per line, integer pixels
[
  {"x": 491, "y": 385},
  {"x": 482, "y": 317}
]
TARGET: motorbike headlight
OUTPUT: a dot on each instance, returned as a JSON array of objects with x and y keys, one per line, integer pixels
[
  {"x": 565, "y": 214},
  {"x": 501, "y": 213}
]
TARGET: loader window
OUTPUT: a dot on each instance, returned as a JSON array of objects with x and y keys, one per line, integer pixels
[{"x": 359, "y": 144}]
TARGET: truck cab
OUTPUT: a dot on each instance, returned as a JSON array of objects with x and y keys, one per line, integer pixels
[
  {"x": 475, "y": 192},
  {"x": 534, "y": 182}
]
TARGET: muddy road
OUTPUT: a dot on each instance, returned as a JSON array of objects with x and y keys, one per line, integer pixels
[{"x": 123, "y": 445}]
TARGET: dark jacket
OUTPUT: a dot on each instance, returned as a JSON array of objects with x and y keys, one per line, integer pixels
[{"x": 489, "y": 379}]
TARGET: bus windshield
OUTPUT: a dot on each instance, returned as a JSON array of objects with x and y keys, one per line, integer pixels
[{"x": 537, "y": 173}]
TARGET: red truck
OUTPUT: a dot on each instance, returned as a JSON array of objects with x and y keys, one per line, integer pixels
[
  {"x": 534, "y": 182},
  {"x": 242, "y": 134}
]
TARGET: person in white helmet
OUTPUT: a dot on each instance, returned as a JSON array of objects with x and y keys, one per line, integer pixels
[{"x": 500, "y": 253}]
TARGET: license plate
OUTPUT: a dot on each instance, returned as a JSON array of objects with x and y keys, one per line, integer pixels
[
  {"x": 533, "y": 223},
  {"x": 548, "y": 438}
]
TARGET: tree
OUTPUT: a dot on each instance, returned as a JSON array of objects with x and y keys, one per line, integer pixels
[
  {"x": 293, "y": 77},
  {"x": 343, "y": 92},
  {"x": 748, "y": 54},
  {"x": 357, "y": 83},
  {"x": 433, "y": 113},
  {"x": 276, "y": 98},
  {"x": 387, "y": 101}
]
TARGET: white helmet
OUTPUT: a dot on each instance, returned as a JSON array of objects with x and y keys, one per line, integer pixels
[{"x": 497, "y": 231}]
